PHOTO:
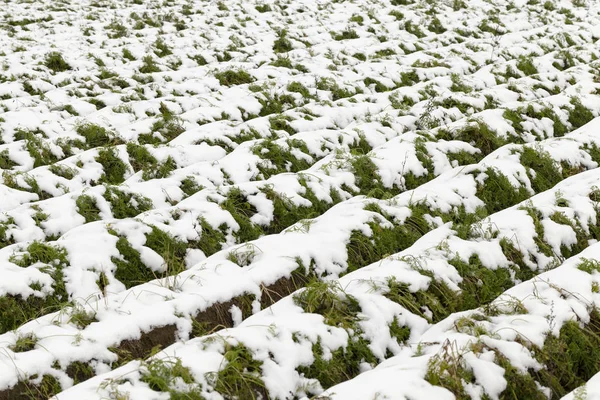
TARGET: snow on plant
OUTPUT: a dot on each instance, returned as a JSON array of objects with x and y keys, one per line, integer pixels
[{"x": 237, "y": 181}]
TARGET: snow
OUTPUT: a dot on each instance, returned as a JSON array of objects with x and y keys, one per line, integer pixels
[{"x": 378, "y": 124}]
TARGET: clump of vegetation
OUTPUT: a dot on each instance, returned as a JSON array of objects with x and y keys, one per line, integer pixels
[
  {"x": 5, "y": 161},
  {"x": 579, "y": 114},
  {"x": 87, "y": 207},
  {"x": 55, "y": 62},
  {"x": 131, "y": 271},
  {"x": 149, "y": 65},
  {"x": 95, "y": 136},
  {"x": 16, "y": 310},
  {"x": 233, "y": 77},
  {"x": 342, "y": 310},
  {"x": 238, "y": 206},
  {"x": 282, "y": 44},
  {"x": 525, "y": 65},
  {"x": 126, "y": 205},
  {"x": 165, "y": 375},
  {"x": 114, "y": 169},
  {"x": 189, "y": 186},
  {"x": 24, "y": 343},
  {"x": 263, "y": 8},
  {"x": 240, "y": 376},
  {"x": 346, "y": 34},
  {"x": 329, "y": 300}
]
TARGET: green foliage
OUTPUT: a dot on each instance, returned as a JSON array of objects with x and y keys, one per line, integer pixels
[
  {"x": 5, "y": 237},
  {"x": 55, "y": 62},
  {"x": 570, "y": 359},
  {"x": 436, "y": 26},
  {"x": 161, "y": 48},
  {"x": 579, "y": 114},
  {"x": 130, "y": 270},
  {"x": 342, "y": 364},
  {"x": 589, "y": 265},
  {"x": 240, "y": 377},
  {"x": 211, "y": 239},
  {"x": 5, "y": 161},
  {"x": 378, "y": 86},
  {"x": 233, "y": 77},
  {"x": 96, "y": 136},
  {"x": 63, "y": 171},
  {"x": 149, "y": 65},
  {"x": 297, "y": 87},
  {"x": 171, "y": 249},
  {"x": 16, "y": 310},
  {"x": 329, "y": 300},
  {"x": 498, "y": 193},
  {"x": 479, "y": 285},
  {"x": 346, "y": 34},
  {"x": 438, "y": 299},
  {"x": 385, "y": 241},
  {"x": 114, "y": 169},
  {"x": 280, "y": 157},
  {"x": 24, "y": 343},
  {"x": 126, "y": 205},
  {"x": 337, "y": 92},
  {"x": 165, "y": 375},
  {"x": 36, "y": 147},
  {"x": 263, "y": 8},
  {"x": 285, "y": 213},
  {"x": 546, "y": 171},
  {"x": 280, "y": 122},
  {"x": 525, "y": 65},
  {"x": 140, "y": 158},
  {"x": 480, "y": 135},
  {"x": 241, "y": 210},
  {"x": 282, "y": 44},
  {"x": 189, "y": 186},
  {"x": 86, "y": 206}
]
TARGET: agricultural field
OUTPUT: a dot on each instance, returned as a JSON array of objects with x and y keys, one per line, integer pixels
[{"x": 300, "y": 199}]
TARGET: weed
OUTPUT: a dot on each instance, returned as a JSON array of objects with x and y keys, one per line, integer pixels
[
  {"x": 16, "y": 310},
  {"x": 498, "y": 193},
  {"x": 114, "y": 169},
  {"x": 24, "y": 343},
  {"x": 238, "y": 206},
  {"x": 140, "y": 158},
  {"x": 86, "y": 207},
  {"x": 5, "y": 161},
  {"x": 63, "y": 171},
  {"x": 570, "y": 359},
  {"x": 130, "y": 270},
  {"x": 346, "y": 34},
  {"x": 385, "y": 241},
  {"x": 282, "y": 44},
  {"x": 589, "y": 265},
  {"x": 263, "y": 8},
  {"x": 96, "y": 136},
  {"x": 126, "y": 205},
  {"x": 232, "y": 77},
  {"x": 240, "y": 377},
  {"x": 579, "y": 115},
  {"x": 171, "y": 249},
  {"x": 525, "y": 65},
  {"x": 279, "y": 157},
  {"x": 342, "y": 363},
  {"x": 165, "y": 375},
  {"x": 189, "y": 186},
  {"x": 55, "y": 62},
  {"x": 149, "y": 65},
  {"x": 329, "y": 300}
]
